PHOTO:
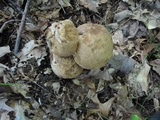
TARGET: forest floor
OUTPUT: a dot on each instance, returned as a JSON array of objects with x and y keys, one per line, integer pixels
[{"x": 127, "y": 87}]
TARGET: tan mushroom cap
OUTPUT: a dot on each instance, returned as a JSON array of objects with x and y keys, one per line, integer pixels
[
  {"x": 65, "y": 67},
  {"x": 62, "y": 38},
  {"x": 95, "y": 46}
]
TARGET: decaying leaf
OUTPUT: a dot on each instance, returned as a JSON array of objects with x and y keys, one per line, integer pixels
[
  {"x": 142, "y": 77},
  {"x": 19, "y": 110},
  {"x": 156, "y": 104},
  {"x": 32, "y": 50},
  {"x": 4, "y": 116},
  {"x": 148, "y": 47},
  {"x": 2, "y": 68},
  {"x": 64, "y": 3},
  {"x": 103, "y": 1},
  {"x": 121, "y": 63},
  {"x": 20, "y": 88},
  {"x": 104, "y": 108},
  {"x": 40, "y": 1},
  {"x": 56, "y": 86},
  {"x": 122, "y": 15},
  {"x": 3, "y": 106},
  {"x": 156, "y": 65},
  {"x": 123, "y": 98},
  {"x": 29, "y": 47},
  {"x": 90, "y": 4},
  {"x": 4, "y": 50},
  {"x": 118, "y": 37},
  {"x": 151, "y": 19}
]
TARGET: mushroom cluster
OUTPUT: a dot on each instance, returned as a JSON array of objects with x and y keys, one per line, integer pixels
[{"x": 73, "y": 49}]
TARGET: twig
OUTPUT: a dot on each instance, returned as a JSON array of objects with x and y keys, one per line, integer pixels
[
  {"x": 5, "y": 24},
  {"x": 18, "y": 9},
  {"x": 21, "y": 27}
]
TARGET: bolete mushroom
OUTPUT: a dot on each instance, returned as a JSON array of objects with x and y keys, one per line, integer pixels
[
  {"x": 65, "y": 67},
  {"x": 95, "y": 46},
  {"x": 62, "y": 38}
]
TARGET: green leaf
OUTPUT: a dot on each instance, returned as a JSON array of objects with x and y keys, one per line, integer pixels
[{"x": 135, "y": 117}]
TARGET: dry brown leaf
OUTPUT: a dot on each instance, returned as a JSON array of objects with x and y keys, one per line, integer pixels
[
  {"x": 142, "y": 77},
  {"x": 90, "y": 4},
  {"x": 156, "y": 65},
  {"x": 147, "y": 48},
  {"x": 104, "y": 108},
  {"x": 138, "y": 43},
  {"x": 32, "y": 50}
]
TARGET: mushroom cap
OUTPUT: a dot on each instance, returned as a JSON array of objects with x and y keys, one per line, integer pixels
[
  {"x": 95, "y": 46},
  {"x": 62, "y": 38},
  {"x": 65, "y": 67}
]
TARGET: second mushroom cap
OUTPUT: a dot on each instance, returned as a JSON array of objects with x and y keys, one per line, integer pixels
[{"x": 95, "y": 46}]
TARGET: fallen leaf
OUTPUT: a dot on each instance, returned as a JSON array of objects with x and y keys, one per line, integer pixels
[
  {"x": 122, "y": 15},
  {"x": 4, "y": 50},
  {"x": 29, "y": 47},
  {"x": 3, "y": 106},
  {"x": 157, "y": 5},
  {"x": 156, "y": 65},
  {"x": 64, "y": 3},
  {"x": 38, "y": 53},
  {"x": 118, "y": 37},
  {"x": 122, "y": 97},
  {"x": 32, "y": 50},
  {"x": 2, "y": 68},
  {"x": 142, "y": 77},
  {"x": 20, "y": 88},
  {"x": 101, "y": 74},
  {"x": 104, "y": 108},
  {"x": 56, "y": 87},
  {"x": 4, "y": 116},
  {"x": 40, "y": 1},
  {"x": 156, "y": 104},
  {"x": 19, "y": 112},
  {"x": 147, "y": 48},
  {"x": 153, "y": 22},
  {"x": 121, "y": 63},
  {"x": 133, "y": 29},
  {"x": 90, "y": 4},
  {"x": 103, "y": 1},
  {"x": 149, "y": 18}
]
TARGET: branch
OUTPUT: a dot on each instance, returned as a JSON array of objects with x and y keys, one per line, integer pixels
[
  {"x": 5, "y": 24},
  {"x": 21, "y": 27}
]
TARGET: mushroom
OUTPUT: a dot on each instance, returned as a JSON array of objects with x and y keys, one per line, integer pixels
[
  {"x": 65, "y": 67},
  {"x": 62, "y": 38},
  {"x": 95, "y": 46}
]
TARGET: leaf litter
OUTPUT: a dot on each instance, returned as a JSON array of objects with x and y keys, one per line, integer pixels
[{"x": 128, "y": 83}]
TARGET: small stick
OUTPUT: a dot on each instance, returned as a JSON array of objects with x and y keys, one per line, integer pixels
[
  {"x": 5, "y": 24},
  {"x": 21, "y": 27},
  {"x": 18, "y": 9}
]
